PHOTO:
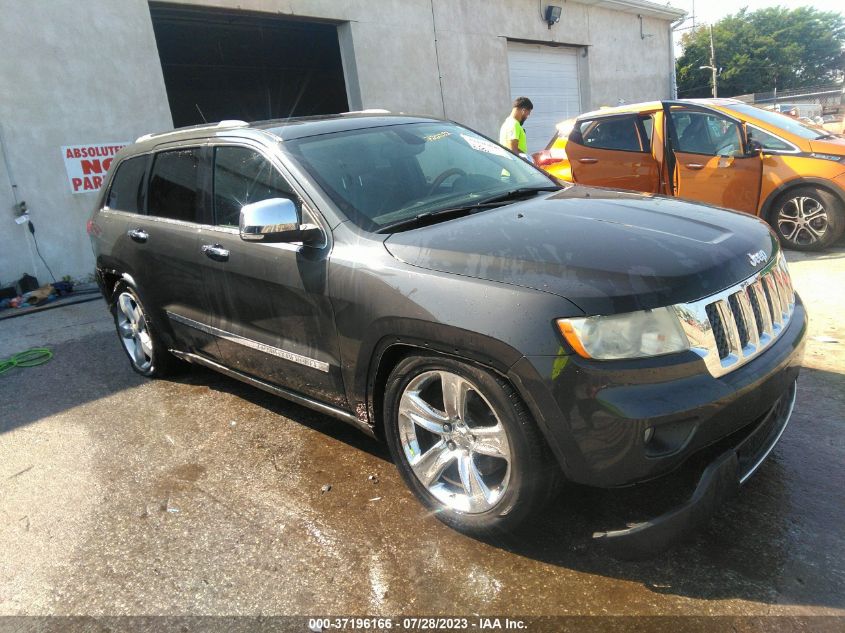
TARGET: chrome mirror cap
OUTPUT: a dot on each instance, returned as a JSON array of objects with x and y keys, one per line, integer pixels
[{"x": 271, "y": 220}]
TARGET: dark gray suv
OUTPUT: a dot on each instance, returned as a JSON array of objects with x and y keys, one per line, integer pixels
[{"x": 414, "y": 279}]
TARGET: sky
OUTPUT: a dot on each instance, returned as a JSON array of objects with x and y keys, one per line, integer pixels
[{"x": 712, "y": 10}]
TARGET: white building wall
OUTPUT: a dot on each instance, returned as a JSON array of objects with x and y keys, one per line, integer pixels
[
  {"x": 81, "y": 72},
  {"x": 71, "y": 73}
]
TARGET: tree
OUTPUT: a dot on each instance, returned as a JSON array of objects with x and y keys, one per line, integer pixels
[{"x": 756, "y": 51}]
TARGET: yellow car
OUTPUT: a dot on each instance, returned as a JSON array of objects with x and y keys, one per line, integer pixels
[{"x": 717, "y": 151}]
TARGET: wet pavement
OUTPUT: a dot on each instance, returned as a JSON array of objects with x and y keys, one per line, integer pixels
[{"x": 201, "y": 495}]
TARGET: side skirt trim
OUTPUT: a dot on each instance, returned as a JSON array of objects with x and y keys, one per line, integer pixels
[
  {"x": 305, "y": 401},
  {"x": 246, "y": 342}
]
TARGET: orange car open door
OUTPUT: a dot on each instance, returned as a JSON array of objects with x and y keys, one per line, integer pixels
[
  {"x": 613, "y": 151},
  {"x": 709, "y": 159}
]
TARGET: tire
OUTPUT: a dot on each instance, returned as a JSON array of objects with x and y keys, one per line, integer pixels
[
  {"x": 489, "y": 445},
  {"x": 139, "y": 338},
  {"x": 807, "y": 218}
]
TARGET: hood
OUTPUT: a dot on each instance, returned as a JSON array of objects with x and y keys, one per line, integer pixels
[
  {"x": 833, "y": 145},
  {"x": 606, "y": 251}
]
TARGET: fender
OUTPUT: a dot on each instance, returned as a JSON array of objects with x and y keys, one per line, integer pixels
[
  {"x": 394, "y": 333},
  {"x": 822, "y": 183}
]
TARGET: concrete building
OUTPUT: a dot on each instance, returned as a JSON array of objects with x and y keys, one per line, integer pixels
[{"x": 81, "y": 78}]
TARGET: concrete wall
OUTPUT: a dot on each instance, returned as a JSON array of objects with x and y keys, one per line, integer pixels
[
  {"x": 72, "y": 73},
  {"x": 398, "y": 53},
  {"x": 89, "y": 72}
]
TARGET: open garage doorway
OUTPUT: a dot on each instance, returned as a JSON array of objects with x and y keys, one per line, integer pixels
[{"x": 236, "y": 65}]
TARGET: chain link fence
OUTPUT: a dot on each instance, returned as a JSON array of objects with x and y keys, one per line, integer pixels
[{"x": 831, "y": 97}]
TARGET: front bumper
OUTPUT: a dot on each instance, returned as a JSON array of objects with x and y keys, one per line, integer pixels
[
  {"x": 596, "y": 415},
  {"x": 718, "y": 482}
]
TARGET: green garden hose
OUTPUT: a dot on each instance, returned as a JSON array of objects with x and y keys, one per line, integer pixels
[{"x": 30, "y": 358}]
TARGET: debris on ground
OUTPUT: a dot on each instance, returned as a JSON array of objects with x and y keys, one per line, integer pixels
[
  {"x": 326, "y": 488},
  {"x": 373, "y": 478}
]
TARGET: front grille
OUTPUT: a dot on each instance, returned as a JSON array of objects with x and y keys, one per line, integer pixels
[
  {"x": 718, "y": 330},
  {"x": 734, "y": 326},
  {"x": 742, "y": 328}
]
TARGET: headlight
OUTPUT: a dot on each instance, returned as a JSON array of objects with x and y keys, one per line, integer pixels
[{"x": 631, "y": 335}]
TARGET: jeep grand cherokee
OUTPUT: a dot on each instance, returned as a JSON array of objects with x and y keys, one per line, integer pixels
[{"x": 414, "y": 279}]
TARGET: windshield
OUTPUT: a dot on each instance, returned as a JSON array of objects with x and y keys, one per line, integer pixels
[
  {"x": 788, "y": 124},
  {"x": 383, "y": 175}
]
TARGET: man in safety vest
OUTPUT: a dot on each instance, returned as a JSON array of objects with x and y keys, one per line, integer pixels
[{"x": 512, "y": 134}]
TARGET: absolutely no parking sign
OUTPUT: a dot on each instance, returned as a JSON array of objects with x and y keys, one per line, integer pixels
[{"x": 86, "y": 165}]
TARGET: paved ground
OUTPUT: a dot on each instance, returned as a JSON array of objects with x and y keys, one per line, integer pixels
[{"x": 122, "y": 496}]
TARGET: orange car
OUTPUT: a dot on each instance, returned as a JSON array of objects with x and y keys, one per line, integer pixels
[{"x": 718, "y": 151}]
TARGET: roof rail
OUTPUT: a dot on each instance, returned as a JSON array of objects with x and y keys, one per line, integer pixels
[
  {"x": 224, "y": 123},
  {"x": 369, "y": 111}
]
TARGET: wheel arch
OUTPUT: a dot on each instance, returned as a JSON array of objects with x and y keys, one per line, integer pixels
[
  {"x": 822, "y": 183},
  {"x": 107, "y": 280},
  {"x": 389, "y": 350}
]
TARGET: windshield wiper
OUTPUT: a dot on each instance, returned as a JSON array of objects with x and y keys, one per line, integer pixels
[
  {"x": 431, "y": 217},
  {"x": 518, "y": 193},
  {"x": 428, "y": 217}
]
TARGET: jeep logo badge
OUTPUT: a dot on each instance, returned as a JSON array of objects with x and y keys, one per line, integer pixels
[{"x": 757, "y": 258}]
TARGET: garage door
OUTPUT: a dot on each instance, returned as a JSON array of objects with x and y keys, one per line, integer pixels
[{"x": 549, "y": 77}]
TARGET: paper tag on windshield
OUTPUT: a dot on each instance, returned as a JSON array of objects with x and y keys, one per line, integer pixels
[{"x": 486, "y": 146}]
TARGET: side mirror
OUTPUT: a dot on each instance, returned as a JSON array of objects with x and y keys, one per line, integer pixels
[
  {"x": 275, "y": 220},
  {"x": 755, "y": 148}
]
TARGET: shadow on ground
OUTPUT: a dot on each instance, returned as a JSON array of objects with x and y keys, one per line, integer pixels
[{"x": 779, "y": 542}]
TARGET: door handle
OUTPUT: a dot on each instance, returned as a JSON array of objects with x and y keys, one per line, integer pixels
[
  {"x": 138, "y": 235},
  {"x": 588, "y": 161},
  {"x": 695, "y": 166},
  {"x": 215, "y": 252}
]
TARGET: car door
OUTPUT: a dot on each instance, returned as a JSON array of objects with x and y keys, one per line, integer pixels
[
  {"x": 271, "y": 309},
  {"x": 613, "y": 151},
  {"x": 162, "y": 253},
  {"x": 710, "y": 158}
]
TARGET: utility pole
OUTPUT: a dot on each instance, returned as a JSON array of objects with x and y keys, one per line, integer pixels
[
  {"x": 712, "y": 65},
  {"x": 713, "y": 62}
]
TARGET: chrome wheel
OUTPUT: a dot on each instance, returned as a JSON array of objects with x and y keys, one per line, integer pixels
[
  {"x": 454, "y": 442},
  {"x": 132, "y": 327},
  {"x": 802, "y": 220}
]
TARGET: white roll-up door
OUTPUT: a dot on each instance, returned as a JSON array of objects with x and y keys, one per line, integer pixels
[{"x": 549, "y": 77}]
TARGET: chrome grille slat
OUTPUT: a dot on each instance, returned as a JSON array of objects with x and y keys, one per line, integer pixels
[
  {"x": 731, "y": 330},
  {"x": 774, "y": 300},
  {"x": 763, "y": 310},
  {"x": 731, "y": 327}
]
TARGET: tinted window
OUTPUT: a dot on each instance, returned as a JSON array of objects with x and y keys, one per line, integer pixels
[
  {"x": 705, "y": 133},
  {"x": 616, "y": 133},
  {"x": 768, "y": 141},
  {"x": 242, "y": 176},
  {"x": 127, "y": 189},
  {"x": 647, "y": 123},
  {"x": 788, "y": 124},
  {"x": 173, "y": 185}
]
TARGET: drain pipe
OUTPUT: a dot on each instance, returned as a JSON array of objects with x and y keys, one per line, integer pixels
[{"x": 673, "y": 83}]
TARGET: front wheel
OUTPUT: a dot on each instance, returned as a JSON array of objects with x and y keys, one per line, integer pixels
[
  {"x": 808, "y": 218},
  {"x": 466, "y": 445}
]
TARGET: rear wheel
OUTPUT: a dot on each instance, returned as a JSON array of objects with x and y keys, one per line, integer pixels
[
  {"x": 808, "y": 218},
  {"x": 465, "y": 444},
  {"x": 147, "y": 354}
]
